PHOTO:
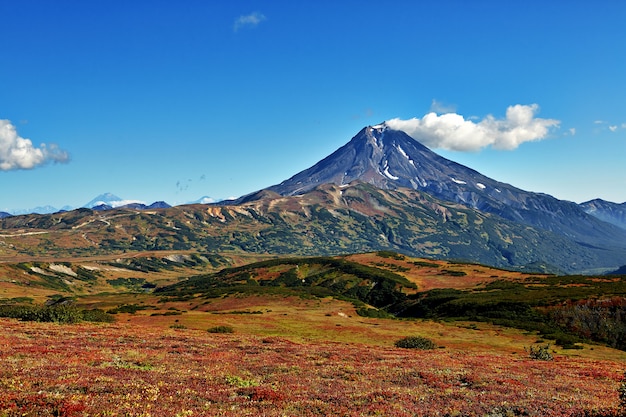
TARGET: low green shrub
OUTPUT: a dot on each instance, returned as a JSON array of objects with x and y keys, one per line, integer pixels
[
  {"x": 390, "y": 254},
  {"x": 373, "y": 313},
  {"x": 97, "y": 315},
  {"x": 128, "y": 308},
  {"x": 540, "y": 353},
  {"x": 221, "y": 329},
  {"x": 54, "y": 314},
  {"x": 415, "y": 342},
  {"x": 426, "y": 264},
  {"x": 453, "y": 273}
]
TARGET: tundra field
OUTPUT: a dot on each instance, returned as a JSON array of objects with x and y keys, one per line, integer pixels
[
  {"x": 133, "y": 369},
  {"x": 284, "y": 353}
]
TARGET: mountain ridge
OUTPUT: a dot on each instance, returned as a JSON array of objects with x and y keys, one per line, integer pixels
[
  {"x": 328, "y": 220},
  {"x": 606, "y": 211},
  {"x": 105, "y": 201}
]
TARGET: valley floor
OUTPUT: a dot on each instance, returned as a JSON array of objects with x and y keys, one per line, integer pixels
[{"x": 129, "y": 369}]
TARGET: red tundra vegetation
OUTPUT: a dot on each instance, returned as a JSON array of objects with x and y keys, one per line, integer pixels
[{"x": 125, "y": 370}]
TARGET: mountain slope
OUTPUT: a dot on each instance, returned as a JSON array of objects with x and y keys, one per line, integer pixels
[
  {"x": 390, "y": 159},
  {"x": 606, "y": 211},
  {"x": 318, "y": 276},
  {"x": 361, "y": 217},
  {"x": 107, "y": 199},
  {"x": 328, "y": 220}
]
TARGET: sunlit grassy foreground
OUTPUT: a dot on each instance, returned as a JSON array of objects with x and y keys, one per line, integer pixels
[{"x": 142, "y": 367}]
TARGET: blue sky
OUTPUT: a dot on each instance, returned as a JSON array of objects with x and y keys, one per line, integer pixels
[{"x": 164, "y": 100}]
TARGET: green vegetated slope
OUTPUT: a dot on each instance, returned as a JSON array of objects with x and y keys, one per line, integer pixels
[
  {"x": 309, "y": 277},
  {"x": 37, "y": 279},
  {"x": 568, "y": 309},
  {"x": 329, "y": 220}
]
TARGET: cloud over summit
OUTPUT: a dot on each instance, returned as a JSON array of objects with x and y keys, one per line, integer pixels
[
  {"x": 452, "y": 131},
  {"x": 17, "y": 152}
]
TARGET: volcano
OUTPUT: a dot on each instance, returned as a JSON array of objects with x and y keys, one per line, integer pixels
[{"x": 390, "y": 159}]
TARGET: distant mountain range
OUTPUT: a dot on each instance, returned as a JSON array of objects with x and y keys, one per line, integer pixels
[
  {"x": 47, "y": 209},
  {"x": 104, "y": 201},
  {"x": 110, "y": 201},
  {"x": 383, "y": 190}
]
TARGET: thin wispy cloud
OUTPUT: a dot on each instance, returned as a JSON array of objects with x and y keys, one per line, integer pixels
[
  {"x": 251, "y": 20},
  {"x": 452, "y": 131},
  {"x": 607, "y": 125},
  {"x": 17, "y": 152},
  {"x": 437, "y": 106},
  {"x": 119, "y": 203}
]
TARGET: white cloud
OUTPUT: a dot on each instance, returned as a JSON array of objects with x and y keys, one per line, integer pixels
[
  {"x": 121, "y": 203},
  {"x": 251, "y": 20},
  {"x": 606, "y": 125},
  {"x": 19, "y": 153},
  {"x": 118, "y": 203},
  {"x": 572, "y": 131},
  {"x": 452, "y": 131}
]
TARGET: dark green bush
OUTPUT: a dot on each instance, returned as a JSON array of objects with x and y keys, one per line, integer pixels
[
  {"x": 415, "y": 342},
  {"x": 373, "y": 313},
  {"x": 128, "y": 308},
  {"x": 97, "y": 315},
  {"x": 54, "y": 314},
  {"x": 426, "y": 264},
  {"x": 540, "y": 353},
  {"x": 221, "y": 329},
  {"x": 453, "y": 273},
  {"x": 390, "y": 254}
]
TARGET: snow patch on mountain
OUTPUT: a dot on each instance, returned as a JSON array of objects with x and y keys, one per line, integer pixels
[
  {"x": 388, "y": 174},
  {"x": 403, "y": 153}
]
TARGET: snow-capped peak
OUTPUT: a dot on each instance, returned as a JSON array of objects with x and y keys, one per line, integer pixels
[{"x": 110, "y": 200}]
